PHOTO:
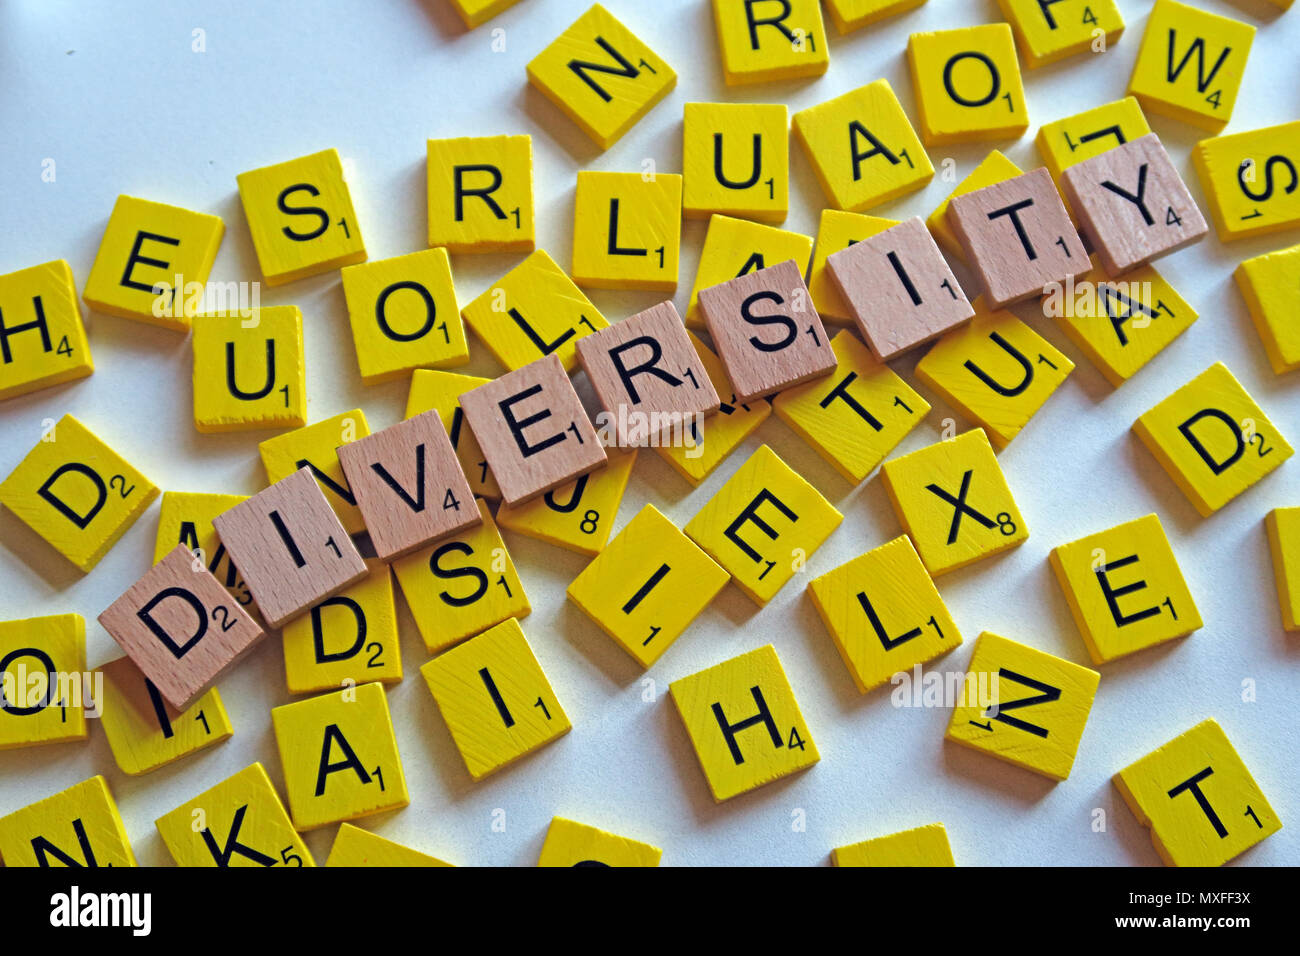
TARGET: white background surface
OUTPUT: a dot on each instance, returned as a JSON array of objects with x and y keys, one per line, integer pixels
[{"x": 114, "y": 94}]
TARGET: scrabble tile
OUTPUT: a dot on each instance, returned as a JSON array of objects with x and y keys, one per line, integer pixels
[
  {"x": 1250, "y": 180},
  {"x": 736, "y": 247},
  {"x": 569, "y": 843},
  {"x": 1051, "y": 31},
  {"x": 1212, "y": 439},
  {"x": 856, "y": 416},
  {"x": 862, "y": 148},
  {"x": 42, "y": 339},
  {"x": 441, "y": 391},
  {"x": 922, "y": 846},
  {"x": 601, "y": 76},
  {"x": 884, "y": 613},
  {"x": 627, "y": 230},
  {"x": 495, "y": 699},
  {"x": 249, "y": 370},
  {"x": 355, "y": 847},
  {"x": 763, "y": 524},
  {"x": 153, "y": 262},
  {"x": 836, "y": 230},
  {"x": 481, "y": 193},
  {"x": 760, "y": 45},
  {"x": 736, "y": 160},
  {"x": 475, "y": 13},
  {"x": 290, "y": 547},
  {"x": 77, "y": 827},
  {"x": 1065, "y": 142},
  {"x": 1283, "y": 526},
  {"x": 144, "y": 731},
  {"x": 77, "y": 493},
  {"x": 899, "y": 289},
  {"x": 1190, "y": 64},
  {"x": 967, "y": 84},
  {"x": 848, "y": 15},
  {"x": 953, "y": 500},
  {"x": 578, "y": 516},
  {"x": 239, "y": 822},
  {"x": 1199, "y": 801},
  {"x": 533, "y": 430},
  {"x": 461, "y": 587},
  {"x": 1023, "y": 705},
  {"x": 766, "y": 331},
  {"x": 1018, "y": 238},
  {"x": 315, "y": 447},
  {"x": 534, "y": 310},
  {"x": 409, "y": 485},
  {"x": 647, "y": 586},
  {"x": 41, "y": 696},
  {"x": 996, "y": 371},
  {"x": 993, "y": 168},
  {"x": 186, "y": 518},
  {"x": 301, "y": 218},
  {"x": 744, "y": 723}
]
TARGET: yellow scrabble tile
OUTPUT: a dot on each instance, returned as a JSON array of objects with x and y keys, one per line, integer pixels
[
  {"x": 153, "y": 262},
  {"x": 601, "y": 76},
  {"x": 461, "y": 586},
  {"x": 495, "y": 699},
  {"x": 850, "y": 14},
  {"x": 316, "y": 447},
  {"x": 836, "y": 231},
  {"x": 42, "y": 339},
  {"x": 1266, "y": 282},
  {"x": 737, "y": 247},
  {"x": 736, "y": 160},
  {"x": 1190, "y": 64},
  {"x": 301, "y": 218},
  {"x": 884, "y": 613},
  {"x": 627, "y": 230},
  {"x": 569, "y": 843},
  {"x": 442, "y": 391},
  {"x": 922, "y": 846},
  {"x": 475, "y": 13},
  {"x": 1125, "y": 589},
  {"x": 744, "y": 723},
  {"x": 862, "y": 148},
  {"x": 76, "y": 492},
  {"x": 239, "y": 822},
  {"x": 953, "y": 500},
  {"x": 1023, "y": 705},
  {"x": 481, "y": 193},
  {"x": 1284, "y": 542},
  {"x": 578, "y": 516},
  {"x": 762, "y": 42},
  {"x": 1069, "y": 141},
  {"x": 144, "y": 731},
  {"x": 532, "y": 311},
  {"x": 78, "y": 827},
  {"x": 857, "y": 415},
  {"x": 249, "y": 371},
  {"x": 186, "y": 518},
  {"x": 42, "y": 660},
  {"x": 1198, "y": 799},
  {"x": 967, "y": 84},
  {"x": 1212, "y": 439},
  {"x": 1250, "y": 180},
  {"x": 996, "y": 371},
  {"x": 993, "y": 168},
  {"x": 354, "y": 847},
  {"x": 1051, "y": 31},
  {"x": 763, "y": 524}
]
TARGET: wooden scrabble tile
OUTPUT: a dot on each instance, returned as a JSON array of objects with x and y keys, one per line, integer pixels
[
  {"x": 463, "y": 586},
  {"x": 441, "y": 392},
  {"x": 355, "y": 847},
  {"x": 996, "y": 371},
  {"x": 763, "y": 524},
  {"x": 569, "y": 843},
  {"x": 849, "y": 15},
  {"x": 862, "y": 148},
  {"x": 1250, "y": 180},
  {"x": 760, "y": 45},
  {"x": 1104, "y": 576},
  {"x": 1190, "y": 64},
  {"x": 578, "y": 516},
  {"x": 836, "y": 230},
  {"x": 339, "y": 756},
  {"x": 1283, "y": 526},
  {"x": 77, "y": 827},
  {"x": 76, "y": 492},
  {"x": 1198, "y": 799},
  {"x": 601, "y": 76},
  {"x": 42, "y": 660},
  {"x": 495, "y": 699},
  {"x": 768, "y": 335},
  {"x": 1212, "y": 439},
  {"x": 153, "y": 262},
  {"x": 481, "y": 193},
  {"x": 290, "y": 547},
  {"x": 474, "y": 13},
  {"x": 144, "y": 731},
  {"x": 993, "y": 168},
  {"x": 627, "y": 230},
  {"x": 239, "y": 822},
  {"x": 899, "y": 289},
  {"x": 967, "y": 84},
  {"x": 249, "y": 370},
  {"x": 409, "y": 485},
  {"x": 744, "y": 723},
  {"x": 1023, "y": 705},
  {"x": 534, "y": 310},
  {"x": 42, "y": 339},
  {"x": 736, "y": 247},
  {"x": 1069, "y": 141},
  {"x": 647, "y": 586},
  {"x": 884, "y": 613},
  {"x": 922, "y": 846},
  {"x": 1018, "y": 238},
  {"x": 1051, "y": 31},
  {"x": 736, "y": 160},
  {"x": 856, "y": 416},
  {"x": 953, "y": 500},
  {"x": 301, "y": 217},
  {"x": 316, "y": 447}
]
